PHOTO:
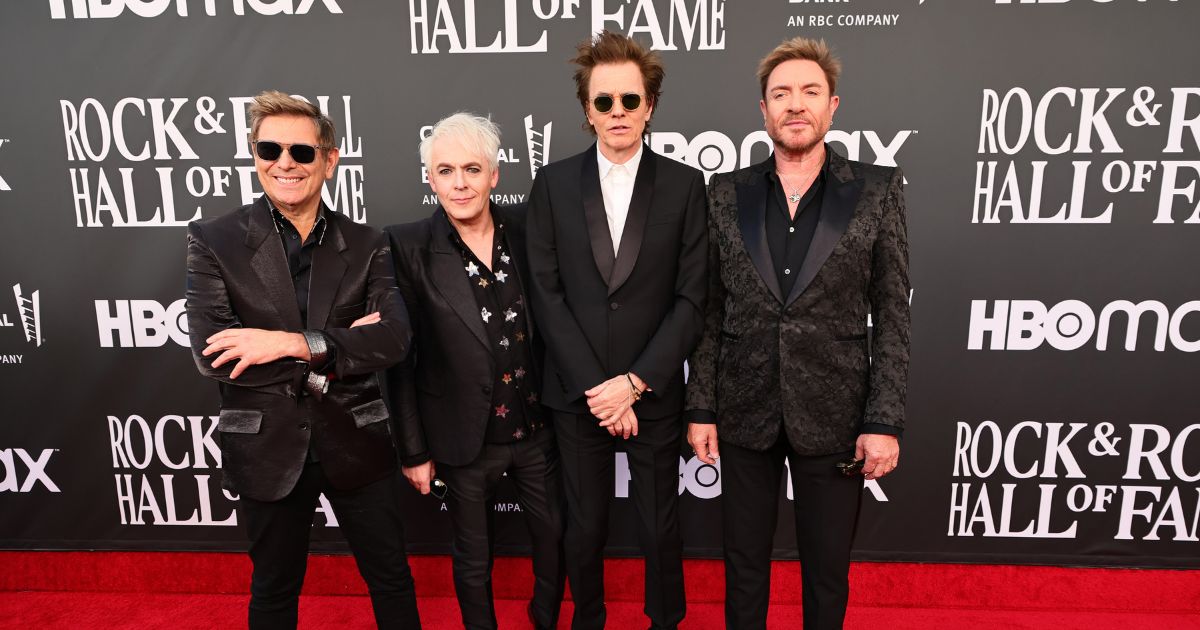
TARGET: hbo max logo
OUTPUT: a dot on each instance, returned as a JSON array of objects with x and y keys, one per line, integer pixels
[
  {"x": 93, "y": 9},
  {"x": 140, "y": 323},
  {"x": 701, "y": 480},
  {"x": 22, "y": 472},
  {"x": 1072, "y": 324}
]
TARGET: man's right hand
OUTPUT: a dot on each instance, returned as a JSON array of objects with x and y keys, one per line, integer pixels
[
  {"x": 703, "y": 438},
  {"x": 420, "y": 476},
  {"x": 622, "y": 426},
  {"x": 369, "y": 318},
  {"x": 254, "y": 346}
]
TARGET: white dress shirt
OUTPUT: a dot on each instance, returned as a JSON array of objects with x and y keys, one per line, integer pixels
[{"x": 616, "y": 186}]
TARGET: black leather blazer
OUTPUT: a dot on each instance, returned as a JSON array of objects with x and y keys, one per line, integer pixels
[
  {"x": 237, "y": 276},
  {"x": 442, "y": 395}
]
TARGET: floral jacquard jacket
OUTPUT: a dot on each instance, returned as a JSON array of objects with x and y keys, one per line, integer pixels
[{"x": 804, "y": 361}]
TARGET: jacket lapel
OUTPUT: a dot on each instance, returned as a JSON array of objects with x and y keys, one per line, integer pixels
[
  {"x": 837, "y": 209},
  {"x": 328, "y": 268},
  {"x": 752, "y": 221},
  {"x": 449, "y": 277},
  {"x": 270, "y": 264},
  {"x": 597, "y": 220},
  {"x": 635, "y": 221}
]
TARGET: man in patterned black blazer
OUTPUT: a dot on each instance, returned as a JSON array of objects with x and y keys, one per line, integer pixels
[{"x": 803, "y": 247}]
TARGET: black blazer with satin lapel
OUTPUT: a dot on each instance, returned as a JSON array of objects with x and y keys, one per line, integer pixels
[
  {"x": 442, "y": 394},
  {"x": 639, "y": 311},
  {"x": 829, "y": 383},
  {"x": 237, "y": 276}
]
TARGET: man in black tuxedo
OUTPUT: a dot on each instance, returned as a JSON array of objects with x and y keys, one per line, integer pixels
[
  {"x": 278, "y": 294},
  {"x": 802, "y": 248},
  {"x": 617, "y": 250},
  {"x": 468, "y": 397}
]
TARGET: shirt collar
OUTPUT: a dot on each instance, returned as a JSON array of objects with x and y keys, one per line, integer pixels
[
  {"x": 631, "y": 165},
  {"x": 279, "y": 221},
  {"x": 497, "y": 229},
  {"x": 773, "y": 173}
]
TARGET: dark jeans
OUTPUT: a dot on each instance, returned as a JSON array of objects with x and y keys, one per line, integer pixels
[
  {"x": 826, "y": 507},
  {"x": 370, "y": 520},
  {"x": 533, "y": 466},
  {"x": 587, "y": 453}
]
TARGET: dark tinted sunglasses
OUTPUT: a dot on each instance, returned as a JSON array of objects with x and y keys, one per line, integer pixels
[
  {"x": 604, "y": 102},
  {"x": 270, "y": 151}
]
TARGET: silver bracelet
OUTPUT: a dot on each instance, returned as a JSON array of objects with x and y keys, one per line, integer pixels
[
  {"x": 317, "y": 348},
  {"x": 316, "y": 384}
]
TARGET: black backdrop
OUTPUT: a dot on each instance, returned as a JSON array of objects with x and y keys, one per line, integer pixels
[{"x": 1051, "y": 150}]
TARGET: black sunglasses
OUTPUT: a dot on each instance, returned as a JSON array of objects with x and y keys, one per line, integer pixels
[
  {"x": 270, "y": 151},
  {"x": 439, "y": 489},
  {"x": 604, "y": 102}
]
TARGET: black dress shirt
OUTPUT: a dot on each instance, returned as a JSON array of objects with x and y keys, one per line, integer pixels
[
  {"x": 515, "y": 412},
  {"x": 299, "y": 254},
  {"x": 789, "y": 237},
  {"x": 299, "y": 258}
]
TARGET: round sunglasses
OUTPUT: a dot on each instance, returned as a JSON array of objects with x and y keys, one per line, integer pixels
[
  {"x": 604, "y": 102},
  {"x": 270, "y": 151}
]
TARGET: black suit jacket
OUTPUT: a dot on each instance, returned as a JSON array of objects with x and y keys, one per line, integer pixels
[
  {"x": 237, "y": 276},
  {"x": 640, "y": 311},
  {"x": 829, "y": 382},
  {"x": 443, "y": 393}
]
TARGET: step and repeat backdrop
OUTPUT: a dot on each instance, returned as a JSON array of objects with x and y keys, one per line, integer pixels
[{"x": 1052, "y": 150}]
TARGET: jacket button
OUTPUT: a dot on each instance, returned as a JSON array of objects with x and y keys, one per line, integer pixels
[
  {"x": 486, "y": 389},
  {"x": 303, "y": 426},
  {"x": 614, "y": 306}
]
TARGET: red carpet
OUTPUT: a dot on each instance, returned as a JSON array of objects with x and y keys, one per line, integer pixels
[{"x": 178, "y": 591}]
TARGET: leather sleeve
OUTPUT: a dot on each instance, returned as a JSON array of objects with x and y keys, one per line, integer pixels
[
  {"x": 367, "y": 349},
  {"x": 209, "y": 311},
  {"x": 401, "y": 378}
]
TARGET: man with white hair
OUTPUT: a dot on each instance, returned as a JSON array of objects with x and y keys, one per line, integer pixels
[{"x": 468, "y": 395}]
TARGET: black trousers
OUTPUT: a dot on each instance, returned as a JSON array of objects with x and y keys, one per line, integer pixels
[
  {"x": 587, "y": 454},
  {"x": 533, "y": 467},
  {"x": 369, "y": 518},
  {"x": 826, "y": 507}
]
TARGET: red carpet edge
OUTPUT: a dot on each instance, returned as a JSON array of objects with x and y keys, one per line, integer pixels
[{"x": 903, "y": 585}]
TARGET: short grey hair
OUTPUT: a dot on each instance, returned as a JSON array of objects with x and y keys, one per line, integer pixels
[{"x": 477, "y": 133}]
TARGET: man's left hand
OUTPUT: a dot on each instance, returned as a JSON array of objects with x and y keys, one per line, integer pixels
[
  {"x": 254, "y": 346},
  {"x": 610, "y": 399},
  {"x": 881, "y": 452}
]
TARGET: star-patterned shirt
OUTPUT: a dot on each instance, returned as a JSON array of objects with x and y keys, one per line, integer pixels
[{"x": 514, "y": 412}]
